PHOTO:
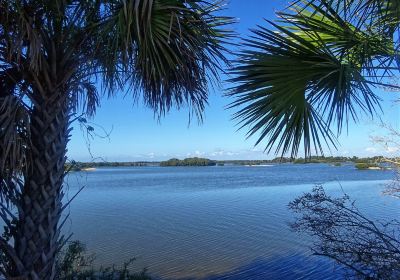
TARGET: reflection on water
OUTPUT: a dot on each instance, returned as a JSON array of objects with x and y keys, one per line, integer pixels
[
  {"x": 288, "y": 268},
  {"x": 212, "y": 222}
]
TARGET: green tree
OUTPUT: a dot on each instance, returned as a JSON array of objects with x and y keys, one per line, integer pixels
[
  {"x": 189, "y": 162},
  {"x": 52, "y": 54},
  {"x": 303, "y": 78}
]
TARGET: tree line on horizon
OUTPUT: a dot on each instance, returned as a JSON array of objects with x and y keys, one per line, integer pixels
[{"x": 196, "y": 161}]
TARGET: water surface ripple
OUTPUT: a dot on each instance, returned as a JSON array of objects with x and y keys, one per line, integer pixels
[{"x": 212, "y": 223}]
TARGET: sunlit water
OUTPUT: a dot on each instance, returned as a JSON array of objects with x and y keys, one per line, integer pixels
[{"x": 212, "y": 222}]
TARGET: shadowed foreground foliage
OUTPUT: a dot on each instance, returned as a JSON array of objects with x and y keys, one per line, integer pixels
[
  {"x": 75, "y": 264},
  {"x": 370, "y": 249}
]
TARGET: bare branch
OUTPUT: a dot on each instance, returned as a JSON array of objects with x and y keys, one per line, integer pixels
[{"x": 370, "y": 249}]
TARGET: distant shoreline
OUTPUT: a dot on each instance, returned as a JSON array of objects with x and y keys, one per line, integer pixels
[{"x": 370, "y": 163}]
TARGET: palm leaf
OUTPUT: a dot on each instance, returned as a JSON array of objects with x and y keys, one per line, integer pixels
[
  {"x": 14, "y": 135},
  {"x": 315, "y": 70},
  {"x": 171, "y": 50}
]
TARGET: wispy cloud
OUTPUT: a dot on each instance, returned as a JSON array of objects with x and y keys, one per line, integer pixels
[
  {"x": 371, "y": 150},
  {"x": 196, "y": 153},
  {"x": 151, "y": 155},
  {"x": 392, "y": 150}
]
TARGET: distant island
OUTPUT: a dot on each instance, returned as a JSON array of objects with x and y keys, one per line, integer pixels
[
  {"x": 369, "y": 166},
  {"x": 90, "y": 166},
  {"x": 376, "y": 162},
  {"x": 195, "y": 161}
]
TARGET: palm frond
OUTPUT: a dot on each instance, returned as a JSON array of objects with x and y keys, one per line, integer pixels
[
  {"x": 20, "y": 34},
  {"x": 315, "y": 70},
  {"x": 14, "y": 134},
  {"x": 171, "y": 50},
  {"x": 382, "y": 15},
  {"x": 85, "y": 96}
]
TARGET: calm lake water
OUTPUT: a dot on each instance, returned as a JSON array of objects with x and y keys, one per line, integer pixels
[{"x": 229, "y": 222}]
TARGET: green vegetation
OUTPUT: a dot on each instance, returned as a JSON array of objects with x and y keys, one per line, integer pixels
[
  {"x": 255, "y": 162},
  {"x": 314, "y": 159},
  {"x": 79, "y": 166},
  {"x": 375, "y": 159},
  {"x": 311, "y": 160},
  {"x": 72, "y": 167},
  {"x": 322, "y": 159},
  {"x": 189, "y": 162},
  {"x": 73, "y": 263},
  {"x": 364, "y": 166},
  {"x": 321, "y": 61},
  {"x": 370, "y": 163},
  {"x": 335, "y": 161}
]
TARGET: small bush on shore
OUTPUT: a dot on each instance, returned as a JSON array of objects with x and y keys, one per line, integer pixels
[{"x": 74, "y": 263}]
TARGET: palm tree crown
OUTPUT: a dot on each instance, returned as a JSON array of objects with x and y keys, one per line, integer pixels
[
  {"x": 52, "y": 55},
  {"x": 316, "y": 68},
  {"x": 165, "y": 50}
]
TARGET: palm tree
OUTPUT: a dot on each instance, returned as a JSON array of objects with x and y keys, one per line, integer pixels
[
  {"x": 301, "y": 80},
  {"x": 52, "y": 54}
]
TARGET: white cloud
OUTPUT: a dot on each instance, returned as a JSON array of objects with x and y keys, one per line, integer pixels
[
  {"x": 371, "y": 150},
  {"x": 392, "y": 150},
  {"x": 198, "y": 153},
  {"x": 221, "y": 153},
  {"x": 151, "y": 155}
]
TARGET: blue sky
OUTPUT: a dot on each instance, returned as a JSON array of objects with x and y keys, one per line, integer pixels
[{"x": 136, "y": 135}]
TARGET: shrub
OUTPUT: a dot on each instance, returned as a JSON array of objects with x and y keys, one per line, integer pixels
[
  {"x": 75, "y": 264},
  {"x": 363, "y": 165}
]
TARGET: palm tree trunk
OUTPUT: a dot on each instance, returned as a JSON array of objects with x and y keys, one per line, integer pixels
[{"x": 37, "y": 239}]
